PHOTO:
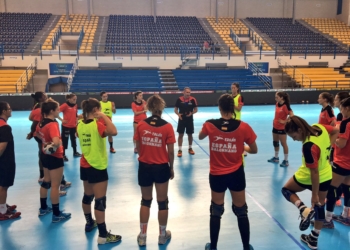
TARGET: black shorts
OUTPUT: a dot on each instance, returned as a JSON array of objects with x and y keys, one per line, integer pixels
[
  {"x": 7, "y": 175},
  {"x": 51, "y": 162},
  {"x": 93, "y": 175},
  {"x": 278, "y": 131},
  {"x": 339, "y": 170},
  {"x": 234, "y": 181},
  {"x": 323, "y": 186},
  {"x": 153, "y": 173},
  {"x": 331, "y": 156},
  {"x": 185, "y": 125}
]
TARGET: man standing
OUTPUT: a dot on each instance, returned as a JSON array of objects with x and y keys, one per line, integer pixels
[
  {"x": 108, "y": 108},
  {"x": 7, "y": 163},
  {"x": 185, "y": 107}
]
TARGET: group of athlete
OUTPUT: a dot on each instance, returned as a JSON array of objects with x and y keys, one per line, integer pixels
[{"x": 325, "y": 166}]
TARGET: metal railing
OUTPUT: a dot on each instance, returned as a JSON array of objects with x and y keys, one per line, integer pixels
[
  {"x": 56, "y": 37},
  {"x": 256, "y": 70},
  {"x": 235, "y": 38},
  {"x": 72, "y": 74},
  {"x": 27, "y": 75}
]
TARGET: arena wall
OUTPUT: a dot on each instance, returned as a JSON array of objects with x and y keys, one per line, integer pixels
[{"x": 199, "y": 8}]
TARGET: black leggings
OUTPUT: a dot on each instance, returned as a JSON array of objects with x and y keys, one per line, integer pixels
[{"x": 66, "y": 133}]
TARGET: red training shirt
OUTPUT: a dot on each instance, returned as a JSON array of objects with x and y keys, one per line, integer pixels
[
  {"x": 282, "y": 111},
  {"x": 154, "y": 134},
  {"x": 342, "y": 155},
  {"x": 101, "y": 130},
  {"x": 326, "y": 116},
  {"x": 70, "y": 113},
  {"x": 46, "y": 130},
  {"x": 137, "y": 107},
  {"x": 226, "y": 143}
]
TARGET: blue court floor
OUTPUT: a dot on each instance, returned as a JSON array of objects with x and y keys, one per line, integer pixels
[{"x": 274, "y": 221}]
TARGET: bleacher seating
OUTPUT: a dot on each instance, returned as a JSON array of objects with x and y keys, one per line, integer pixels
[
  {"x": 74, "y": 25},
  {"x": 17, "y": 30},
  {"x": 9, "y": 78},
  {"x": 116, "y": 80},
  {"x": 223, "y": 29},
  {"x": 217, "y": 79},
  {"x": 295, "y": 37},
  {"x": 332, "y": 27},
  {"x": 321, "y": 78},
  {"x": 169, "y": 32}
]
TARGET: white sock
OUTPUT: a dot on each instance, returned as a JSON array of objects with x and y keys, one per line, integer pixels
[
  {"x": 3, "y": 208},
  {"x": 286, "y": 157},
  {"x": 276, "y": 154},
  {"x": 345, "y": 213},
  {"x": 316, "y": 231},
  {"x": 297, "y": 203},
  {"x": 162, "y": 230},
  {"x": 189, "y": 146},
  {"x": 143, "y": 228},
  {"x": 180, "y": 147},
  {"x": 329, "y": 216}
]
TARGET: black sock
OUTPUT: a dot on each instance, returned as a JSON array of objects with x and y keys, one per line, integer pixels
[
  {"x": 41, "y": 173},
  {"x": 88, "y": 218},
  {"x": 63, "y": 182},
  {"x": 74, "y": 150},
  {"x": 214, "y": 231},
  {"x": 43, "y": 204},
  {"x": 56, "y": 209},
  {"x": 243, "y": 225},
  {"x": 102, "y": 230},
  {"x": 111, "y": 144}
]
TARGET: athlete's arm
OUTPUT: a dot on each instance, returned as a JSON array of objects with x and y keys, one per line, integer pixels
[
  {"x": 56, "y": 141},
  {"x": 195, "y": 110},
  {"x": 341, "y": 142},
  {"x": 251, "y": 148},
  {"x": 3, "y": 146},
  {"x": 202, "y": 135},
  {"x": 110, "y": 128},
  {"x": 113, "y": 108},
  {"x": 315, "y": 180},
  {"x": 344, "y": 135},
  {"x": 333, "y": 135},
  {"x": 171, "y": 159}
]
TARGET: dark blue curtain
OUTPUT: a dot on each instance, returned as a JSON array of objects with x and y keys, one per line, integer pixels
[{"x": 340, "y": 7}]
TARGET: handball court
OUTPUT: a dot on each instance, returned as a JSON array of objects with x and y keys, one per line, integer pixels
[{"x": 273, "y": 221}]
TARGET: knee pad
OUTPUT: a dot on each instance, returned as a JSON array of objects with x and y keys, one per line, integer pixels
[
  {"x": 320, "y": 214},
  {"x": 46, "y": 185},
  {"x": 240, "y": 212},
  {"x": 163, "y": 205},
  {"x": 287, "y": 193},
  {"x": 332, "y": 194},
  {"x": 276, "y": 144},
  {"x": 100, "y": 204},
  {"x": 146, "y": 203},
  {"x": 346, "y": 191},
  {"x": 216, "y": 210},
  {"x": 87, "y": 199}
]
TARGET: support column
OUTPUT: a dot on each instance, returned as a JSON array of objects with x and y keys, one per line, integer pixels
[
  {"x": 5, "y": 6},
  {"x": 67, "y": 10},
  {"x": 294, "y": 7},
  {"x": 235, "y": 11},
  {"x": 217, "y": 11},
  {"x": 155, "y": 10},
  {"x": 88, "y": 10}
]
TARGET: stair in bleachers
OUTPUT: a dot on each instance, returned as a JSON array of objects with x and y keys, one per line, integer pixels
[
  {"x": 217, "y": 79},
  {"x": 167, "y": 79},
  {"x": 116, "y": 81},
  {"x": 101, "y": 34}
]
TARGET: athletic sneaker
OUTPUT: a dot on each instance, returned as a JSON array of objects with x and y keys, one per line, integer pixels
[
  {"x": 326, "y": 224},
  {"x": 274, "y": 160},
  {"x": 9, "y": 215},
  {"x": 90, "y": 227},
  {"x": 44, "y": 211},
  {"x": 284, "y": 164},
  {"x": 179, "y": 153},
  {"x": 141, "y": 240},
  {"x": 338, "y": 203},
  {"x": 66, "y": 185},
  {"x": 163, "y": 239},
  {"x": 62, "y": 216},
  {"x": 310, "y": 240},
  {"x": 111, "y": 238},
  {"x": 11, "y": 208},
  {"x": 63, "y": 193},
  {"x": 190, "y": 151},
  {"x": 341, "y": 219},
  {"x": 207, "y": 246},
  {"x": 305, "y": 221},
  {"x": 65, "y": 158},
  {"x": 77, "y": 154},
  {"x": 135, "y": 151},
  {"x": 112, "y": 150}
]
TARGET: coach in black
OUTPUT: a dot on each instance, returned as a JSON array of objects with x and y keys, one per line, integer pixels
[
  {"x": 185, "y": 107},
  {"x": 7, "y": 163}
]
